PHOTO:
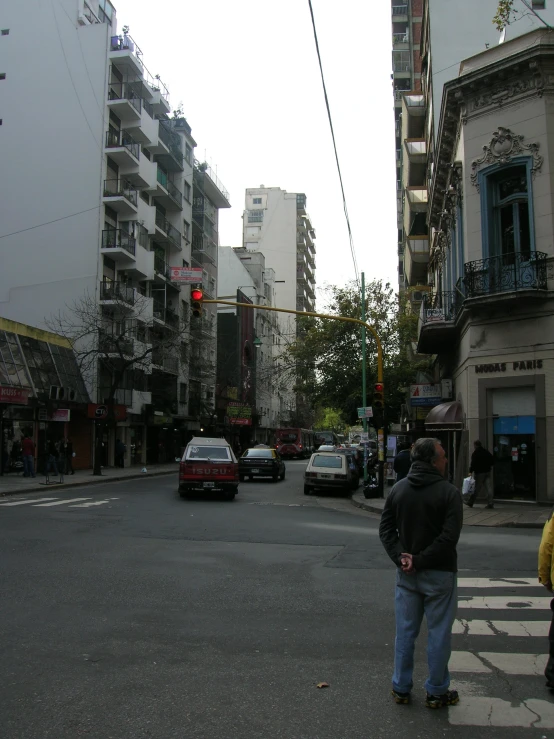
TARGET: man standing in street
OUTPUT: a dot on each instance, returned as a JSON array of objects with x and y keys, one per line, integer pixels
[
  {"x": 419, "y": 529},
  {"x": 481, "y": 466},
  {"x": 546, "y": 577}
]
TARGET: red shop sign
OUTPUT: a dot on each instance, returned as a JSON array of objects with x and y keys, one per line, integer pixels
[{"x": 16, "y": 395}]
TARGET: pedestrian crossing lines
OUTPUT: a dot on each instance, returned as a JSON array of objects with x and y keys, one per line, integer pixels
[
  {"x": 54, "y": 502},
  {"x": 500, "y": 650}
]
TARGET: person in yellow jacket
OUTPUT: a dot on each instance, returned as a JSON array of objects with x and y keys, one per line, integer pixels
[{"x": 546, "y": 578}]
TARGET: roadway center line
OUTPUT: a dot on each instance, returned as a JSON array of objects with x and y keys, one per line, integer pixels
[
  {"x": 25, "y": 502},
  {"x": 498, "y": 582},
  {"x": 60, "y": 502},
  {"x": 500, "y": 628},
  {"x": 503, "y": 602}
]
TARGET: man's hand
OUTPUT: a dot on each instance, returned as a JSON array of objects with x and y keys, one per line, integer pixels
[{"x": 406, "y": 560}]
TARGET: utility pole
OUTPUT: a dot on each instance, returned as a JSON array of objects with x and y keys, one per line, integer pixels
[{"x": 364, "y": 378}]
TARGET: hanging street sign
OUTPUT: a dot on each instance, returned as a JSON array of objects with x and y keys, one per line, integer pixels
[
  {"x": 365, "y": 412},
  {"x": 186, "y": 274}
]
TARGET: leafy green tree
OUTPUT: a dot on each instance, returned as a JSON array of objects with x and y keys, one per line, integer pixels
[
  {"x": 330, "y": 418},
  {"x": 328, "y": 354}
]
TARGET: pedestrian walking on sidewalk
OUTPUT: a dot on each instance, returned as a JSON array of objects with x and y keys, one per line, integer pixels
[
  {"x": 52, "y": 455},
  {"x": 481, "y": 467},
  {"x": 546, "y": 578},
  {"x": 402, "y": 462},
  {"x": 28, "y": 452},
  {"x": 419, "y": 529}
]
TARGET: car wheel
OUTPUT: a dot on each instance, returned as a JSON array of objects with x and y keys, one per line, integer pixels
[
  {"x": 275, "y": 477},
  {"x": 184, "y": 493},
  {"x": 230, "y": 496},
  {"x": 250, "y": 477},
  {"x": 241, "y": 478},
  {"x": 307, "y": 490},
  {"x": 283, "y": 475}
]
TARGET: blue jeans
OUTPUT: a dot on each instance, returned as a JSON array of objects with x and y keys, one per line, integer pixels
[
  {"x": 433, "y": 593},
  {"x": 28, "y": 465},
  {"x": 52, "y": 463}
]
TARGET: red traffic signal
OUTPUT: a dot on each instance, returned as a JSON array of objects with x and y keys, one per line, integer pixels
[
  {"x": 378, "y": 395},
  {"x": 197, "y": 296}
]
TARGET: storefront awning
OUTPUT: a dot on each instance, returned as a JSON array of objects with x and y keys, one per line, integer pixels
[{"x": 445, "y": 417}]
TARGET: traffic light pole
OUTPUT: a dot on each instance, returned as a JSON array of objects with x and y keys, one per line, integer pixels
[
  {"x": 364, "y": 378},
  {"x": 343, "y": 319}
]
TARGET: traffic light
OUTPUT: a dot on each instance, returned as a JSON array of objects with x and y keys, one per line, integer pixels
[
  {"x": 196, "y": 296},
  {"x": 379, "y": 396}
]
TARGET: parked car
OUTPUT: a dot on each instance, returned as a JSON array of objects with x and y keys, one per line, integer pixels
[
  {"x": 261, "y": 462},
  {"x": 208, "y": 465},
  {"x": 326, "y": 448},
  {"x": 352, "y": 457},
  {"x": 328, "y": 470}
]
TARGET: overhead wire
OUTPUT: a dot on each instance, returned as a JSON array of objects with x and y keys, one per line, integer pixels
[{"x": 350, "y": 237}]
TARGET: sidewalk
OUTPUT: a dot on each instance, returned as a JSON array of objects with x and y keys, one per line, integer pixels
[
  {"x": 503, "y": 515},
  {"x": 12, "y": 483}
]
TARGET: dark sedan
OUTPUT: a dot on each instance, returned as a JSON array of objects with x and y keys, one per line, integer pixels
[{"x": 261, "y": 462}]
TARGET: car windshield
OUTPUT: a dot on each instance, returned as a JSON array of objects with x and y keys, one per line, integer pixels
[
  {"x": 208, "y": 452},
  {"x": 258, "y": 453},
  {"x": 324, "y": 461}
]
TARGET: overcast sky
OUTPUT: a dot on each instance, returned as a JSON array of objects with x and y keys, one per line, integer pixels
[{"x": 247, "y": 76}]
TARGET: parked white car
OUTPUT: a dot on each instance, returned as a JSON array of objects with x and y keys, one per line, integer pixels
[{"x": 329, "y": 471}]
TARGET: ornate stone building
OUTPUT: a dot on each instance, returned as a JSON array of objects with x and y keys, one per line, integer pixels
[{"x": 489, "y": 317}]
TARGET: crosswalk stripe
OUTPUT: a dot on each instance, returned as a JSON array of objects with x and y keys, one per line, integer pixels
[
  {"x": 502, "y": 602},
  {"x": 500, "y": 628},
  {"x": 89, "y": 504},
  {"x": 60, "y": 502},
  {"x": 474, "y": 711},
  {"x": 509, "y": 663},
  {"x": 24, "y": 502},
  {"x": 498, "y": 582}
]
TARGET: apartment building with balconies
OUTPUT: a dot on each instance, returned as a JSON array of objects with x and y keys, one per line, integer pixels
[
  {"x": 277, "y": 224},
  {"x": 98, "y": 203},
  {"x": 209, "y": 196},
  {"x": 487, "y": 305}
]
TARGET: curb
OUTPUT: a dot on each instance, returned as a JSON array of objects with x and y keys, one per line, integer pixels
[
  {"x": 507, "y": 525},
  {"x": 102, "y": 479}
]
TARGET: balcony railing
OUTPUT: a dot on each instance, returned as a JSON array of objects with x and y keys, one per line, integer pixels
[
  {"x": 400, "y": 10},
  {"x": 167, "y": 361},
  {"x": 174, "y": 192},
  {"x": 121, "y": 188},
  {"x": 161, "y": 267},
  {"x": 118, "y": 139},
  {"x": 126, "y": 91},
  {"x": 161, "y": 313},
  {"x": 115, "y": 344},
  {"x": 402, "y": 67},
  {"x": 506, "y": 273},
  {"x": 118, "y": 291},
  {"x": 441, "y": 307},
  {"x": 126, "y": 43},
  {"x": 172, "y": 233},
  {"x": 400, "y": 38},
  {"x": 171, "y": 140},
  {"x": 117, "y": 238}
]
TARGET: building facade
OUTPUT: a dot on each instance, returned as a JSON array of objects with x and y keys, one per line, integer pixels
[
  {"x": 490, "y": 313},
  {"x": 277, "y": 224},
  {"x": 103, "y": 219}
]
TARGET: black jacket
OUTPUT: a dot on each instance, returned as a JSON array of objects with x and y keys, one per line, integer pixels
[
  {"x": 402, "y": 463},
  {"x": 423, "y": 517},
  {"x": 481, "y": 461}
]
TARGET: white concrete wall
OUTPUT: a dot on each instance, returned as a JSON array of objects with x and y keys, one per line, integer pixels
[{"x": 51, "y": 152}]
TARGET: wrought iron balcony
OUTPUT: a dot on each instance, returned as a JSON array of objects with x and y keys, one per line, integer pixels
[
  {"x": 441, "y": 307},
  {"x": 117, "y": 238},
  {"x": 117, "y": 291},
  {"x": 118, "y": 139},
  {"x": 511, "y": 272},
  {"x": 161, "y": 313},
  {"x": 437, "y": 321},
  {"x": 126, "y": 91}
]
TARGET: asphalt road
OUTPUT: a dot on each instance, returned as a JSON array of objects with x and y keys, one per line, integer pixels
[{"x": 129, "y": 613}]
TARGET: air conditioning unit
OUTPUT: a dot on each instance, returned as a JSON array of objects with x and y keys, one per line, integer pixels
[{"x": 417, "y": 296}]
